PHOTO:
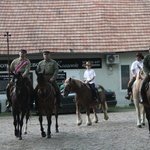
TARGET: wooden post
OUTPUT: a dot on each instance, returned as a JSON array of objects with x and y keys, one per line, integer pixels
[{"x": 8, "y": 59}]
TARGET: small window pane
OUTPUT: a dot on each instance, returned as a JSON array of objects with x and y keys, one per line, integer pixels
[{"x": 125, "y": 76}]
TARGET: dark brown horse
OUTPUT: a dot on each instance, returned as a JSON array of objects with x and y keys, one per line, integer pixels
[
  {"x": 145, "y": 93},
  {"x": 46, "y": 103},
  {"x": 20, "y": 100},
  {"x": 84, "y": 98}
]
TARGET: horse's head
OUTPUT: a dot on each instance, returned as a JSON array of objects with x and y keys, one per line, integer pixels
[
  {"x": 44, "y": 87},
  {"x": 18, "y": 82},
  {"x": 68, "y": 86},
  {"x": 41, "y": 78}
]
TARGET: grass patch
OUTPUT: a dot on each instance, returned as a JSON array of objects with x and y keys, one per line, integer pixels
[
  {"x": 4, "y": 114},
  {"x": 120, "y": 109}
]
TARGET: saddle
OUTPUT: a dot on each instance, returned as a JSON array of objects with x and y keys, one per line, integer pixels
[{"x": 95, "y": 93}]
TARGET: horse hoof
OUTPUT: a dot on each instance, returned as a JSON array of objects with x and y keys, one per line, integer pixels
[
  {"x": 57, "y": 130},
  {"x": 43, "y": 134},
  {"x": 89, "y": 124},
  {"x": 143, "y": 124},
  {"x": 49, "y": 136},
  {"x": 20, "y": 138},
  {"x": 25, "y": 132},
  {"x": 106, "y": 118},
  {"x": 139, "y": 126},
  {"x": 16, "y": 133},
  {"x": 79, "y": 123},
  {"x": 96, "y": 121}
]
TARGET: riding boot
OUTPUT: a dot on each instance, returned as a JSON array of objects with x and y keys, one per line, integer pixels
[
  {"x": 94, "y": 96},
  {"x": 129, "y": 92},
  {"x": 8, "y": 103}
]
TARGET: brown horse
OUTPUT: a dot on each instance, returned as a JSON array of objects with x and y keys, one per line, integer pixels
[
  {"x": 145, "y": 93},
  {"x": 20, "y": 100},
  {"x": 136, "y": 98},
  {"x": 84, "y": 98},
  {"x": 46, "y": 103}
]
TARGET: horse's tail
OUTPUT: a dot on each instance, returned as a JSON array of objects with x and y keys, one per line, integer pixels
[{"x": 100, "y": 87}]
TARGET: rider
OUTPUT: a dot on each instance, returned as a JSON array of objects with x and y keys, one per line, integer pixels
[
  {"x": 134, "y": 72},
  {"x": 20, "y": 64},
  {"x": 146, "y": 69},
  {"x": 89, "y": 77},
  {"x": 51, "y": 70}
]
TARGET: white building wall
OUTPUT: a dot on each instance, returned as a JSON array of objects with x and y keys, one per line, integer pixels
[{"x": 109, "y": 77}]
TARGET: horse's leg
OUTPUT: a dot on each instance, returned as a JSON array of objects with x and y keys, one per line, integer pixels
[
  {"x": 88, "y": 120},
  {"x": 95, "y": 115},
  {"x": 56, "y": 119},
  {"x": 18, "y": 123},
  {"x": 147, "y": 111},
  {"x": 142, "y": 112},
  {"x": 137, "y": 108},
  {"x": 15, "y": 124},
  {"x": 49, "y": 121},
  {"x": 104, "y": 108},
  {"x": 104, "y": 104},
  {"x": 27, "y": 118},
  {"x": 41, "y": 126},
  {"x": 79, "y": 118},
  {"x": 21, "y": 125}
]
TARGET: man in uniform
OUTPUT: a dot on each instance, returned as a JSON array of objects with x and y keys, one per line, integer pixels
[
  {"x": 20, "y": 64},
  {"x": 51, "y": 70}
]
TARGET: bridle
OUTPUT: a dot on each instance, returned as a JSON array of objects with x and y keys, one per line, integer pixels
[{"x": 42, "y": 88}]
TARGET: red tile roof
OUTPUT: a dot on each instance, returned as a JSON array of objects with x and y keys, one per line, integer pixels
[{"x": 80, "y": 25}]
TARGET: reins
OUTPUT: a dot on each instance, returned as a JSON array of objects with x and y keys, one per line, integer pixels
[
  {"x": 19, "y": 95},
  {"x": 73, "y": 88},
  {"x": 42, "y": 87}
]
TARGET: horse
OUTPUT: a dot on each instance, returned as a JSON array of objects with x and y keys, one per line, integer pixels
[
  {"x": 83, "y": 98},
  {"x": 46, "y": 97},
  {"x": 20, "y": 100},
  {"x": 145, "y": 93},
  {"x": 136, "y": 97}
]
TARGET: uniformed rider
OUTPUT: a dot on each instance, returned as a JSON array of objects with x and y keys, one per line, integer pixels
[
  {"x": 51, "y": 70},
  {"x": 20, "y": 64}
]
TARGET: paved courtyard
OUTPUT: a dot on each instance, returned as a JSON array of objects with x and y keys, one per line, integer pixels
[{"x": 118, "y": 133}]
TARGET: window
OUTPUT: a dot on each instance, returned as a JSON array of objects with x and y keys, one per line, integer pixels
[{"x": 125, "y": 76}]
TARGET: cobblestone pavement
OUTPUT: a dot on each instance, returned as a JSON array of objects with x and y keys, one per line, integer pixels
[{"x": 118, "y": 133}]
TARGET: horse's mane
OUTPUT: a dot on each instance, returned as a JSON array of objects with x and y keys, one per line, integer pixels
[
  {"x": 78, "y": 82},
  {"x": 141, "y": 74}
]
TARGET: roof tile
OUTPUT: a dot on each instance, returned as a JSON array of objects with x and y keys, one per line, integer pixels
[{"x": 84, "y": 26}]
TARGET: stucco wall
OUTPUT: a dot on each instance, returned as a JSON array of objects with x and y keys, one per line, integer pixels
[{"x": 110, "y": 78}]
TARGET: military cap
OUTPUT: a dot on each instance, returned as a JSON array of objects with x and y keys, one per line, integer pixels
[
  {"x": 46, "y": 52},
  {"x": 23, "y": 51}
]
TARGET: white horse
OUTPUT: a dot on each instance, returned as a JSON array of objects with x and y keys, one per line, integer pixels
[{"x": 136, "y": 98}]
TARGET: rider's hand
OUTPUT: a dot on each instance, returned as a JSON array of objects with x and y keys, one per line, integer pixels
[
  {"x": 134, "y": 75},
  {"x": 51, "y": 80}
]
